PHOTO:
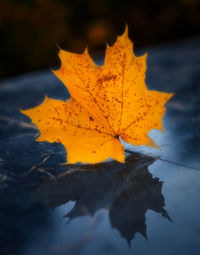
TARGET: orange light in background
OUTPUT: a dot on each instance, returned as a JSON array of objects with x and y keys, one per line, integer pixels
[{"x": 99, "y": 32}]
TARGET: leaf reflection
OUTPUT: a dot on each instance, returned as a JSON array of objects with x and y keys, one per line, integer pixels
[{"x": 126, "y": 190}]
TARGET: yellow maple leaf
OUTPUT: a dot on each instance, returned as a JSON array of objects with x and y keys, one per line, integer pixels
[{"x": 107, "y": 102}]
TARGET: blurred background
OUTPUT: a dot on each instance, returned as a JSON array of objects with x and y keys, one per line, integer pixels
[{"x": 31, "y": 29}]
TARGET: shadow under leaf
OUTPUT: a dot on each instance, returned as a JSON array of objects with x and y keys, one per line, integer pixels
[{"x": 127, "y": 191}]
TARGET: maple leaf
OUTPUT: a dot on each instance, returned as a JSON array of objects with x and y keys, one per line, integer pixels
[{"x": 107, "y": 102}]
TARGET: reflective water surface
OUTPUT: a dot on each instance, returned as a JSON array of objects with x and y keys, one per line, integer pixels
[
  {"x": 145, "y": 206},
  {"x": 126, "y": 191}
]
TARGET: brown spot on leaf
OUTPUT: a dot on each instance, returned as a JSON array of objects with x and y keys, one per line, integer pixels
[{"x": 106, "y": 78}]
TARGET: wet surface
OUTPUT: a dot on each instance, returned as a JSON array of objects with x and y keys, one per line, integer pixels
[{"x": 145, "y": 206}]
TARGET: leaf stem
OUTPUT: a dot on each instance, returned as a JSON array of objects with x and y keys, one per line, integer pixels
[{"x": 168, "y": 161}]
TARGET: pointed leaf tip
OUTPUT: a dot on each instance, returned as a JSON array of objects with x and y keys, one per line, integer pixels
[{"x": 126, "y": 30}]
